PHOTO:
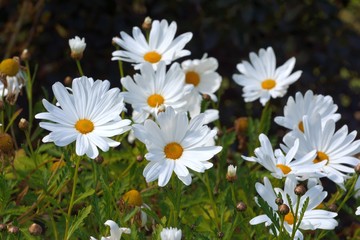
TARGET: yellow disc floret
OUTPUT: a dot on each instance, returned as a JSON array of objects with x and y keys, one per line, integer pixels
[
  {"x": 320, "y": 156},
  {"x": 9, "y": 67},
  {"x": 152, "y": 57},
  {"x": 301, "y": 126},
  {"x": 155, "y": 100},
  {"x": 268, "y": 84},
  {"x": 285, "y": 169},
  {"x": 192, "y": 78},
  {"x": 84, "y": 126},
  {"x": 173, "y": 150},
  {"x": 289, "y": 218},
  {"x": 133, "y": 198}
]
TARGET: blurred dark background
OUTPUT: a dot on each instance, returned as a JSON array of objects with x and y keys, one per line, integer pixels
[{"x": 323, "y": 35}]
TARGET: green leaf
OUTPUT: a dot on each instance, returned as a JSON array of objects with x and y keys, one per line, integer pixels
[
  {"x": 79, "y": 220},
  {"x": 84, "y": 195}
]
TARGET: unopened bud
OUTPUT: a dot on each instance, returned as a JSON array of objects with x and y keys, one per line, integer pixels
[
  {"x": 333, "y": 207},
  {"x": 357, "y": 169},
  {"x": 241, "y": 206},
  {"x": 300, "y": 190},
  {"x": 220, "y": 235},
  {"x": 279, "y": 201},
  {"x": 283, "y": 209},
  {"x": 3, "y": 227},
  {"x": 139, "y": 158},
  {"x": 99, "y": 159},
  {"x": 231, "y": 173},
  {"x": 146, "y": 25},
  {"x": 206, "y": 97},
  {"x": 68, "y": 81},
  {"x": 23, "y": 124},
  {"x": 25, "y": 55},
  {"x": 13, "y": 229},
  {"x": 35, "y": 229}
]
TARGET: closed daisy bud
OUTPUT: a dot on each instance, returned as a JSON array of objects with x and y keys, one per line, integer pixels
[
  {"x": 279, "y": 201},
  {"x": 284, "y": 209},
  {"x": 221, "y": 235},
  {"x": 133, "y": 198},
  {"x": 147, "y": 23},
  {"x": 25, "y": 55},
  {"x": 332, "y": 207},
  {"x": 139, "y": 158},
  {"x": 231, "y": 173},
  {"x": 241, "y": 206},
  {"x": 13, "y": 229},
  {"x": 35, "y": 229},
  {"x": 99, "y": 159},
  {"x": 3, "y": 227},
  {"x": 68, "y": 81},
  {"x": 300, "y": 190},
  {"x": 23, "y": 124}
]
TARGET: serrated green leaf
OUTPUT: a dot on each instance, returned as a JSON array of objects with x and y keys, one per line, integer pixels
[{"x": 78, "y": 220}]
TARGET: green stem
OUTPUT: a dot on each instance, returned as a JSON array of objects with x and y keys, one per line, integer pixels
[
  {"x": 78, "y": 64},
  {"x": 212, "y": 200},
  {"x": 53, "y": 225},
  {"x": 348, "y": 194},
  {"x": 295, "y": 218},
  {"x": 29, "y": 85},
  {"x": 72, "y": 197}
]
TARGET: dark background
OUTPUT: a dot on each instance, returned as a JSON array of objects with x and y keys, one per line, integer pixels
[{"x": 322, "y": 35}]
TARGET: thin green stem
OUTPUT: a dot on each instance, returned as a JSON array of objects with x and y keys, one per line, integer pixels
[
  {"x": 348, "y": 194},
  {"x": 212, "y": 200},
  {"x": 54, "y": 228},
  {"x": 295, "y": 218},
  {"x": 72, "y": 197},
  {"x": 78, "y": 64},
  {"x": 29, "y": 85}
]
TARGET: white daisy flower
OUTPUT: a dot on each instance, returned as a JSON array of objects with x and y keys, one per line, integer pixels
[
  {"x": 13, "y": 79},
  {"x": 161, "y": 46},
  {"x": 336, "y": 149},
  {"x": 357, "y": 211},
  {"x": 281, "y": 165},
  {"x": 261, "y": 79},
  {"x": 153, "y": 90},
  {"x": 175, "y": 144},
  {"x": 170, "y": 234},
  {"x": 313, "y": 218},
  {"x": 77, "y": 46},
  {"x": 201, "y": 73},
  {"x": 89, "y": 115},
  {"x": 115, "y": 231},
  {"x": 309, "y": 104}
]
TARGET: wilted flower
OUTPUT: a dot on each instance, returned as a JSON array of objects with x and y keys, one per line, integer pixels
[{"x": 115, "y": 231}]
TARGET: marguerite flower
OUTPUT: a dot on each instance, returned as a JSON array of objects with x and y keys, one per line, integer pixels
[
  {"x": 115, "y": 231},
  {"x": 77, "y": 46},
  {"x": 336, "y": 149},
  {"x": 281, "y": 165},
  {"x": 175, "y": 144},
  {"x": 161, "y": 46},
  {"x": 261, "y": 79},
  {"x": 170, "y": 234},
  {"x": 153, "y": 90},
  {"x": 89, "y": 115},
  {"x": 313, "y": 218},
  {"x": 12, "y": 79},
  {"x": 309, "y": 104},
  {"x": 201, "y": 73},
  {"x": 357, "y": 211}
]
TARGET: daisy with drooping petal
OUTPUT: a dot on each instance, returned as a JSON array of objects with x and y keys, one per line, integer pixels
[
  {"x": 281, "y": 165},
  {"x": 309, "y": 104},
  {"x": 261, "y": 79},
  {"x": 313, "y": 218},
  {"x": 77, "y": 46},
  {"x": 13, "y": 79},
  {"x": 170, "y": 234},
  {"x": 161, "y": 46},
  {"x": 115, "y": 231},
  {"x": 174, "y": 144},
  {"x": 201, "y": 73},
  {"x": 89, "y": 115},
  {"x": 336, "y": 149},
  {"x": 153, "y": 90}
]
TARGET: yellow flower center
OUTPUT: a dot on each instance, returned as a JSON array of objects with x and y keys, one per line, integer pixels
[
  {"x": 268, "y": 84},
  {"x": 9, "y": 67},
  {"x": 152, "y": 57},
  {"x": 192, "y": 78},
  {"x": 301, "y": 126},
  {"x": 155, "y": 100},
  {"x": 173, "y": 150},
  {"x": 133, "y": 198},
  {"x": 321, "y": 156},
  {"x": 289, "y": 218},
  {"x": 283, "y": 168},
  {"x": 84, "y": 126}
]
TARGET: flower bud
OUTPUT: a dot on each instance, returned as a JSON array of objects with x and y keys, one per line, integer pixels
[
  {"x": 300, "y": 190},
  {"x": 241, "y": 206},
  {"x": 283, "y": 209},
  {"x": 35, "y": 229},
  {"x": 3, "y": 227},
  {"x": 23, "y": 124},
  {"x": 357, "y": 169},
  {"x": 146, "y": 25},
  {"x": 13, "y": 229},
  {"x": 220, "y": 235},
  {"x": 139, "y": 158},
  {"x": 68, "y": 81},
  {"x": 25, "y": 55},
  {"x": 231, "y": 173},
  {"x": 279, "y": 201},
  {"x": 99, "y": 159},
  {"x": 332, "y": 207}
]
